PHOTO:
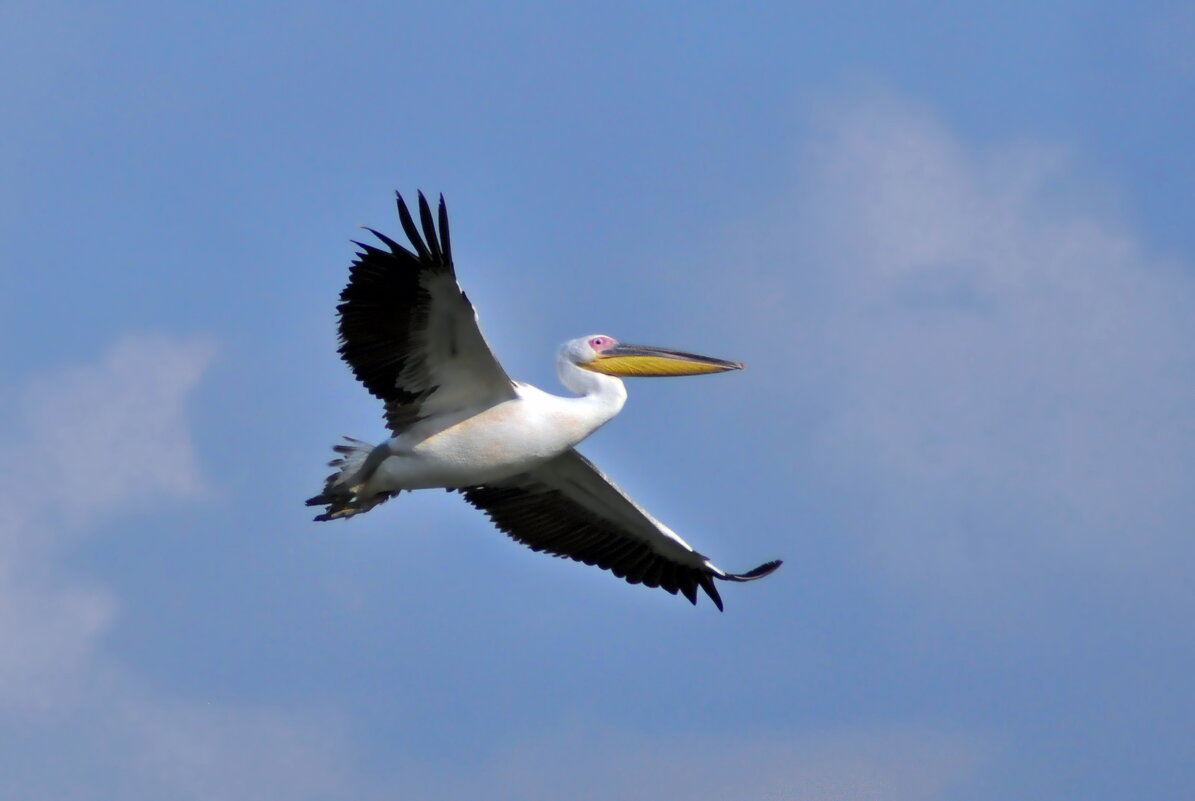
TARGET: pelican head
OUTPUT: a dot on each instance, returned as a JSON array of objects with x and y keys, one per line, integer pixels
[{"x": 603, "y": 354}]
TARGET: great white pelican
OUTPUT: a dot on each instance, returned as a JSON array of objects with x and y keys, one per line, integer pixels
[{"x": 458, "y": 422}]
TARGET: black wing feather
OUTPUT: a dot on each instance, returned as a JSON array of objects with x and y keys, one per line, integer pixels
[
  {"x": 408, "y": 226},
  {"x": 374, "y": 334},
  {"x": 549, "y": 522},
  {"x": 429, "y": 229},
  {"x": 387, "y": 241},
  {"x": 385, "y": 311},
  {"x": 547, "y": 518},
  {"x": 445, "y": 242}
]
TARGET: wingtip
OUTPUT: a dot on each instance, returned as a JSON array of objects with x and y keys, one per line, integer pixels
[
  {"x": 707, "y": 584},
  {"x": 766, "y": 569},
  {"x": 409, "y": 227},
  {"x": 387, "y": 241},
  {"x": 429, "y": 228}
]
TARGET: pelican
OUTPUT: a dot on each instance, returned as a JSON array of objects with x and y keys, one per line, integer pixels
[{"x": 458, "y": 422}]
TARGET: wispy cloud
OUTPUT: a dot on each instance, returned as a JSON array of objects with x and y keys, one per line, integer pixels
[
  {"x": 994, "y": 367},
  {"x": 90, "y": 443},
  {"x": 98, "y": 436}
]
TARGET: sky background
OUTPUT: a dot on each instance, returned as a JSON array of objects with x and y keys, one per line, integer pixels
[{"x": 953, "y": 244}]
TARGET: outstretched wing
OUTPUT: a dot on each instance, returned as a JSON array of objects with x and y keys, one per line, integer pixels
[
  {"x": 566, "y": 507},
  {"x": 409, "y": 333}
]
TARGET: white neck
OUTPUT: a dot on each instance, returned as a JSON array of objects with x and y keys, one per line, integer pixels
[{"x": 602, "y": 396}]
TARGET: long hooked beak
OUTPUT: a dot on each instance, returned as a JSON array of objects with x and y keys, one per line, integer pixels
[{"x": 643, "y": 362}]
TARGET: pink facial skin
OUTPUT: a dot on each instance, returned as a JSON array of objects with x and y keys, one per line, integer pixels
[{"x": 601, "y": 344}]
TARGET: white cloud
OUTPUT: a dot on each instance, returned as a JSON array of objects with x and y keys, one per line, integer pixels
[
  {"x": 88, "y": 440},
  {"x": 48, "y": 632},
  {"x": 102, "y": 435},
  {"x": 93, "y": 441},
  {"x": 121, "y": 743},
  {"x": 997, "y": 372}
]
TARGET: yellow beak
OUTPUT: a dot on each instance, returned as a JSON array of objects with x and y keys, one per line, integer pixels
[{"x": 637, "y": 361}]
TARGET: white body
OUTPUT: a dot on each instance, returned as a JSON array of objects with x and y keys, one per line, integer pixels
[{"x": 485, "y": 444}]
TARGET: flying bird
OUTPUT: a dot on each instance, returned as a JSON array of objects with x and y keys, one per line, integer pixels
[{"x": 458, "y": 422}]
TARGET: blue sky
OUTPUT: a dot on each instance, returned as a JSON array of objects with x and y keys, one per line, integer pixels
[{"x": 952, "y": 245}]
